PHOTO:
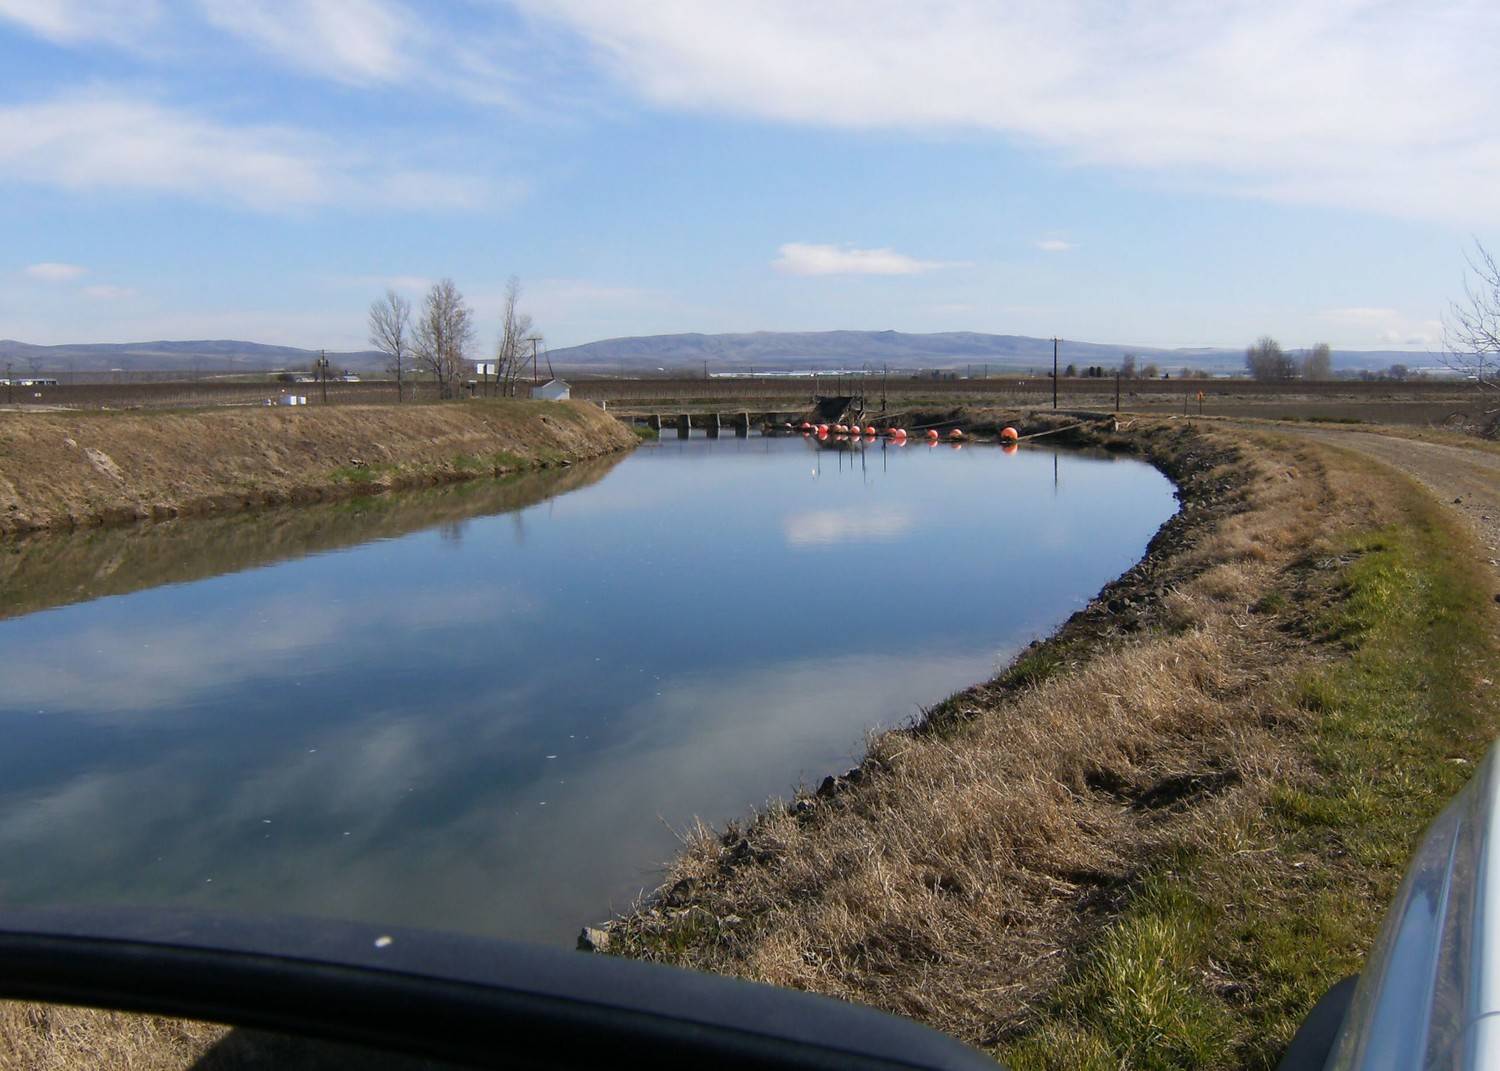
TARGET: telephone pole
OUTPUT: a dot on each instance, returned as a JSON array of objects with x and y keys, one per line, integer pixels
[
  {"x": 323, "y": 373},
  {"x": 1054, "y": 371},
  {"x": 533, "y": 339}
]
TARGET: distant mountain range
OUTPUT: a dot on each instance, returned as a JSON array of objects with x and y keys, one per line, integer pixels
[
  {"x": 948, "y": 350},
  {"x": 221, "y": 355},
  {"x": 759, "y": 351}
]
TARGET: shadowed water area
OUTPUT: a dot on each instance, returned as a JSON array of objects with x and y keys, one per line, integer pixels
[{"x": 490, "y": 707}]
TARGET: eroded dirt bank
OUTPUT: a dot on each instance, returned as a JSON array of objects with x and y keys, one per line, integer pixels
[{"x": 69, "y": 470}]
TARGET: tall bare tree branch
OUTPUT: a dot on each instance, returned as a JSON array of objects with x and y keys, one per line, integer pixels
[
  {"x": 390, "y": 328},
  {"x": 1471, "y": 329},
  {"x": 443, "y": 335},
  {"x": 510, "y": 352}
]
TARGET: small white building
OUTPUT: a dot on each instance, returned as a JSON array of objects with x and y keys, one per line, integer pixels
[{"x": 556, "y": 390}]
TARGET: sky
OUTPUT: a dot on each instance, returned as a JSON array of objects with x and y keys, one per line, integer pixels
[{"x": 1147, "y": 172}]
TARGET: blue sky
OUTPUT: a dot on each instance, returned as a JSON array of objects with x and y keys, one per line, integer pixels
[{"x": 1165, "y": 173}]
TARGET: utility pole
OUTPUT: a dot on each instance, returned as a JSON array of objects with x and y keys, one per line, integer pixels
[
  {"x": 10, "y": 384},
  {"x": 1054, "y": 371},
  {"x": 533, "y": 339},
  {"x": 1117, "y": 390},
  {"x": 323, "y": 373}
]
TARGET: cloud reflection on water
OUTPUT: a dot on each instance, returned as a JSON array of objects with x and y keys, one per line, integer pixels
[{"x": 826, "y": 527}]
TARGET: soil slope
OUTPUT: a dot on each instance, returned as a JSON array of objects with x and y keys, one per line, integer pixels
[{"x": 65, "y": 470}]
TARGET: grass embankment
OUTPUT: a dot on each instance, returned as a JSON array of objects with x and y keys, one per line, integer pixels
[
  {"x": 64, "y": 470},
  {"x": 1228, "y": 940},
  {"x": 1161, "y": 835}
]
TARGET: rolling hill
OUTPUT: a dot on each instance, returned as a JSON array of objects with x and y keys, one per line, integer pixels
[{"x": 760, "y": 351}]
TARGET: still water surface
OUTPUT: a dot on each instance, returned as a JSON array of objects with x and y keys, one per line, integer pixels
[{"x": 489, "y": 708}]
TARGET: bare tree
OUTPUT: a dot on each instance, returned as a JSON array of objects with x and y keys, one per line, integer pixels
[
  {"x": 1127, "y": 366},
  {"x": 1471, "y": 330},
  {"x": 1268, "y": 362},
  {"x": 443, "y": 334},
  {"x": 390, "y": 330},
  {"x": 1318, "y": 363},
  {"x": 510, "y": 352}
]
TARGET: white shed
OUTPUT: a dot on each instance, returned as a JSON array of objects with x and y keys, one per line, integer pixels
[{"x": 556, "y": 390}]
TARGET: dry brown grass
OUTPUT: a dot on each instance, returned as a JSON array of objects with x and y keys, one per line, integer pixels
[
  {"x": 61, "y": 470},
  {"x": 954, "y": 880},
  {"x": 45, "y": 1037}
]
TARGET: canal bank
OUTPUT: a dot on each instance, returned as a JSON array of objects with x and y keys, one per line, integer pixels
[
  {"x": 68, "y": 470},
  {"x": 1160, "y": 834}
]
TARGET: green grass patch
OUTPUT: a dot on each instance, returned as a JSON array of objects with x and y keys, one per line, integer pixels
[
  {"x": 353, "y": 474},
  {"x": 1222, "y": 950},
  {"x": 498, "y": 461},
  {"x": 1032, "y": 668}
]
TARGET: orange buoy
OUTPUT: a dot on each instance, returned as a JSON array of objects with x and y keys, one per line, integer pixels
[
  {"x": 871, "y": 430},
  {"x": 1009, "y": 435},
  {"x": 806, "y": 426},
  {"x": 955, "y": 434},
  {"x": 899, "y": 433},
  {"x": 932, "y": 434},
  {"x": 822, "y": 429},
  {"x": 842, "y": 429},
  {"x": 1010, "y": 448}
]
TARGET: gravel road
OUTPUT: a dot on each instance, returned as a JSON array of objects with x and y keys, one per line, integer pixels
[{"x": 1466, "y": 479}]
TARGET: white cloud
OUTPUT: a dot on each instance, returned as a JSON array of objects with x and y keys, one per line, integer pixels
[
  {"x": 1369, "y": 325},
  {"x": 377, "y": 43},
  {"x": 111, "y": 141},
  {"x": 108, "y": 292},
  {"x": 363, "y": 42},
  {"x": 53, "y": 272},
  {"x": 75, "y": 21},
  {"x": 1054, "y": 245},
  {"x": 803, "y": 258},
  {"x": 1376, "y": 106}
]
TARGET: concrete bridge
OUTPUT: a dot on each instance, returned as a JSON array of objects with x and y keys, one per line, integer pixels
[{"x": 825, "y": 410}]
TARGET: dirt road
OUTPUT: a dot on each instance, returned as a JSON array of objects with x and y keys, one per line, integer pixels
[{"x": 1466, "y": 479}]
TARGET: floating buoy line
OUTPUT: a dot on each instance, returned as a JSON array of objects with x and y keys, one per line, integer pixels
[{"x": 1007, "y": 436}]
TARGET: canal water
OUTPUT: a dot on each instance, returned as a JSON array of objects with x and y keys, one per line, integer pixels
[{"x": 493, "y": 708}]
